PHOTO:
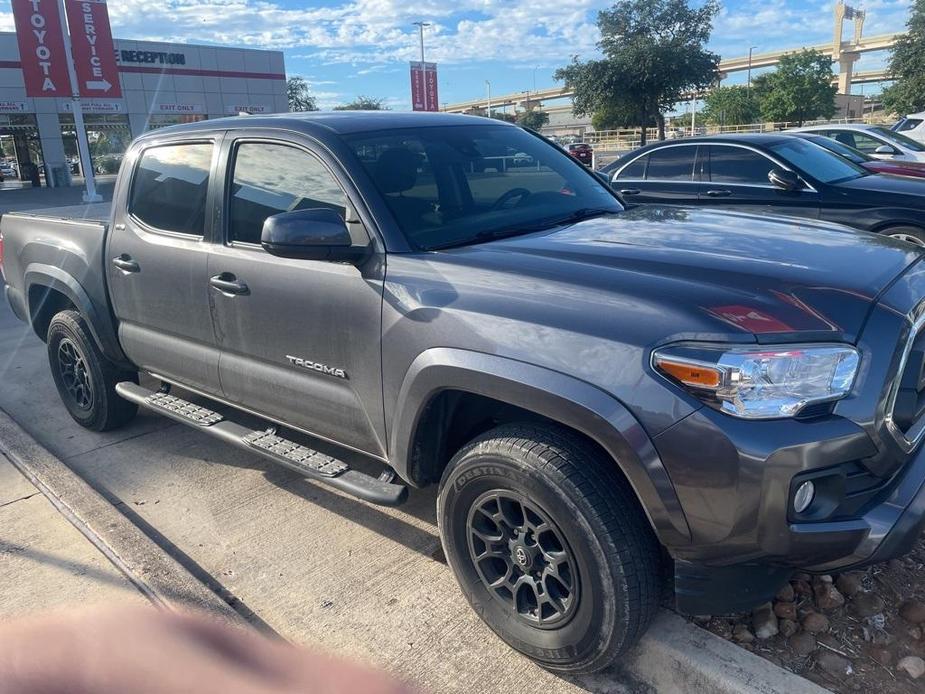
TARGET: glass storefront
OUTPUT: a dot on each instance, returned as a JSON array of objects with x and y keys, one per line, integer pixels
[{"x": 109, "y": 135}]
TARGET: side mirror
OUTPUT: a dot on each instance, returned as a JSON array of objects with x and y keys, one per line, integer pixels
[
  {"x": 784, "y": 179},
  {"x": 886, "y": 149},
  {"x": 313, "y": 234}
]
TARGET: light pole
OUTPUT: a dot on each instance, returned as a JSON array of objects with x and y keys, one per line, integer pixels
[
  {"x": 420, "y": 26},
  {"x": 749, "y": 65},
  {"x": 488, "y": 84},
  {"x": 534, "y": 79}
]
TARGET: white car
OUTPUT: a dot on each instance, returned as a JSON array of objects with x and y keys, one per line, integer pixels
[
  {"x": 875, "y": 140},
  {"x": 912, "y": 126}
]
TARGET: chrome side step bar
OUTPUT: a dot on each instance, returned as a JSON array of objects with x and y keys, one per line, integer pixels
[{"x": 310, "y": 463}]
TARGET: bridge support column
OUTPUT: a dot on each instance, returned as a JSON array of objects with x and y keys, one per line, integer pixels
[{"x": 846, "y": 63}]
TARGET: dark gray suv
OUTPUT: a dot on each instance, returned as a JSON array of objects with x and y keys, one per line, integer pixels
[{"x": 607, "y": 399}]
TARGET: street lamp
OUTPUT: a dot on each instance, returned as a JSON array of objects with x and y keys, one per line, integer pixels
[
  {"x": 534, "y": 79},
  {"x": 749, "y": 65},
  {"x": 488, "y": 84}
]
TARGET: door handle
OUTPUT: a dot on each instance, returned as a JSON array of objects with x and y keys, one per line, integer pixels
[
  {"x": 630, "y": 191},
  {"x": 719, "y": 193},
  {"x": 228, "y": 284},
  {"x": 125, "y": 263}
]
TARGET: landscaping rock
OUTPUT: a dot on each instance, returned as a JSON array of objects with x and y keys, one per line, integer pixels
[
  {"x": 827, "y": 595},
  {"x": 742, "y": 634},
  {"x": 913, "y": 611},
  {"x": 802, "y": 644},
  {"x": 833, "y": 664},
  {"x": 787, "y": 628},
  {"x": 815, "y": 623},
  {"x": 785, "y": 610},
  {"x": 785, "y": 594},
  {"x": 802, "y": 588},
  {"x": 866, "y": 605},
  {"x": 765, "y": 622},
  {"x": 912, "y": 665},
  {"x": 849, "y": 584}
]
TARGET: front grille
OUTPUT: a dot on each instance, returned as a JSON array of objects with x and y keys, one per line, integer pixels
[{"x": 906, "y": 418}]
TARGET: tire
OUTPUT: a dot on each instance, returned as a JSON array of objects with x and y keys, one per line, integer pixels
[
  {"x": 609, "y": 582},
  {"x": 85, "y": 378},
  {"x": 913, "y": 235}
]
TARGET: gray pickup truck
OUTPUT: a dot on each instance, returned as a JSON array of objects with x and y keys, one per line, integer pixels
[{"x": 611, "y": 400}]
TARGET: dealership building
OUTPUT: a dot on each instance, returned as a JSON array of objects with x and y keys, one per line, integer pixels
[{"x": 162, "y": 84}]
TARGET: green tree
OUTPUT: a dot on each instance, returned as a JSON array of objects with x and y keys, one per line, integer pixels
[
  {"x": 501, "y": 115},
  {"x": 298, "y": 95},
  {"x": 654, "y": 53},
  {"x": 735, "y": 105},
  {"x": 364, "y": 103},
  {"x": 907, "y": 65},
  {"x": 534, "y": 118},
  {"x": 621, "y": 115},
  {"x": 800, "y": 89}
]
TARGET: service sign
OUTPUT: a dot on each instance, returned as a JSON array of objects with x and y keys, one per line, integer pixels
[
  {"x": 235, "y": 109},
  {"x": 92, "y": 47},
  {"x": 12, "y": 106},
  {"x": 40, "y": 36},
  {"x": 177, "y": 108},
  {"x": 424, "y": 87},
  {"x": 94, "y": 106}
]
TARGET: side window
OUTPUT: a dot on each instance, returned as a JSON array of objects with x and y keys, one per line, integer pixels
[
  {"x": 908, "y": 124},
  {"x": 737, "y": 165},
  {"x": 169, "y": 187},
  {"x": 671, "y": 164},
  {"x": 269, "y": 179},
  {"x": 866, "y": 143},
  {"x": 636, "y": 170}
]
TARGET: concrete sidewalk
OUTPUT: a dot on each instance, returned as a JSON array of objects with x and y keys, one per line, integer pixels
[{"x": 45, "y": 562}]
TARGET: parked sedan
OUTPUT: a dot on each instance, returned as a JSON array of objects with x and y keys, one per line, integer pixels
[
  {"x": 775, "y": 173},
  {"x": 876, "y": 140},
  {"x": 582, "y": 151},
  {"x": 915, "y": 169}
]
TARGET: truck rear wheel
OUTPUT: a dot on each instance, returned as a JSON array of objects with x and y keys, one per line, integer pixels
[
  {"x": 550, "y": 546},
  {"x": 85, "y": 378}
]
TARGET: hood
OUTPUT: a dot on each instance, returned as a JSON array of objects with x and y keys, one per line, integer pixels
[
  {"x": 699, "y": 274},
  {"x": 886, "y": 190}
]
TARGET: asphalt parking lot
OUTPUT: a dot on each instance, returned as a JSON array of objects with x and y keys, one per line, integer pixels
[{"x": 317, "y": 567}]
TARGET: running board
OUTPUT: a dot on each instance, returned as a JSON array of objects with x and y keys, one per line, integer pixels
[{"x": 312, "y": 464}]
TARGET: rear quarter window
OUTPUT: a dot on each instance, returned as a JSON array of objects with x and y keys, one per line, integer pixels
[
  {"x": 169, "y": 187},
  {"x": 635, "y": 170}
]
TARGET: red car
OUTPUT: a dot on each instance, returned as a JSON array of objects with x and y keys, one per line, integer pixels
[
  {"x": 880, "y": 166},
  {"x": 582, "y": 151}
]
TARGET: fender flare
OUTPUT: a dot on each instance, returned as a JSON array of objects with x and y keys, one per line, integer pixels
[
  {"x": 52, "y": 277},
  {"x": 557, "y": 396}
]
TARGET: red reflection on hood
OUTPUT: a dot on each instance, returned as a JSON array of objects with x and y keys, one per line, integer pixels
[{"x": 750, "y": 319}]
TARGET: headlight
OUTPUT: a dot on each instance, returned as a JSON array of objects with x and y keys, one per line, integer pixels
[{"x": 761, "y": 382}]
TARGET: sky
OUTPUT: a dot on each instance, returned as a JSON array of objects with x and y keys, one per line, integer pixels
[{"x": 346, "y": 48}]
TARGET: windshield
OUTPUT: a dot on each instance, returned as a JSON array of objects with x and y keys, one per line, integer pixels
[
  {"x": 817, "y": 162},
  {"x": 849, "y": 153},
  {"x": 455, "y": 185},
  {"x": 899, "y": 139}
]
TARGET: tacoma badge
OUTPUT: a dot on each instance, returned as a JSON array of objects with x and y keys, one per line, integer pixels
[{"x": 315, "y": 366}]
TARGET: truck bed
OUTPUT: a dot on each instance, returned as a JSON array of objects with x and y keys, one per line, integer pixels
[{"x": 94, "y": 212}]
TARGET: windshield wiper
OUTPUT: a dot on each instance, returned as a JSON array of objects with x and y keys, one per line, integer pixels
[{"x": 542, "y": 225}]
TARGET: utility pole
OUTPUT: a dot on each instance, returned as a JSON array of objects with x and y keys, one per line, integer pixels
[
  {"x": 420, "y": 26},
  {"x": 488, "y": 84},
  {"x": 750, "y": 66},
  {"x": 83, "y": 145}
]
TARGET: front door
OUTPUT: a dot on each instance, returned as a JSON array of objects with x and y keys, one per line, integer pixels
[
  {"x": 299, "y": 339},
  {"x": 157, "y": 259},
  {"x": 736, "y": 178}
]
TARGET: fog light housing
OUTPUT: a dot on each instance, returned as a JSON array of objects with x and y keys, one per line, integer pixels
[{"x": 804, "y": 496}]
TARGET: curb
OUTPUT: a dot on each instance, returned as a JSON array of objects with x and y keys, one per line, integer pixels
[
  {"x": 157, "y": 575},
  {"x": 677, "y": 656}
]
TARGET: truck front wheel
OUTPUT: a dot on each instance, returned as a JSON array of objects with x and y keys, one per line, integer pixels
[
  {"x": 549, "y": 546},
  {"x": 85, "y": 378}
]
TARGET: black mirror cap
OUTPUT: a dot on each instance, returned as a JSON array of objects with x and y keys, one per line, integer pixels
[
  {"x": 313, "y": 234},
  {"x": 782, "y": 178}
]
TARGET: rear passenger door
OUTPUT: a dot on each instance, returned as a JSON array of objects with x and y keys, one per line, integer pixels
[
  {"x": 665, "y": 176},
  {"x": 737, "y": 178},
  {"x": 157, "y": 261},
  {"x": 300, "y": 342}
]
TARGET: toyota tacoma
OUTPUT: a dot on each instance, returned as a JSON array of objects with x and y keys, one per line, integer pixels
[{"x": 610, "y": 401}]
